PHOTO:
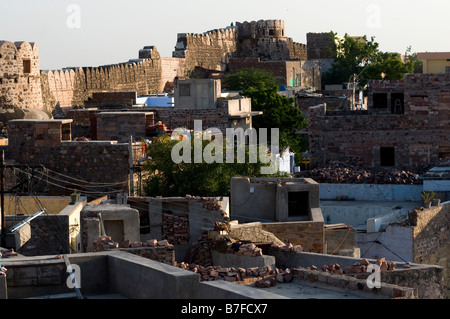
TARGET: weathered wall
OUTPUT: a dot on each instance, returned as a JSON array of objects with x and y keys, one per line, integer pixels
[
  {"x": 266, "y": 39},
  {"x": 419, "y": 136},
  {"x": 193, "y": 216},
  {"x": 118, "y": 126},
  {"x": 310, "y": 235},
  {"x": 44, "y": 143},
  {"x": 171, "y": 68},
  {"x": 20, "y": 81},
  {"x": 184, "y": 118},
  {"x": 320, "y": 46},
  {"x": 282, "y": 70},
  {"x": 431, "y": 234},
  {"x": 210, "y": 50},
  {"x": 71, "y": 87},
  {"x": 332, "y": 102}
]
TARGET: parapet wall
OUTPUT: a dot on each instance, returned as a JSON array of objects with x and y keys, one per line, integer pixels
[
  {"x": 210, "y": 50},
  {"x": 48, "y": 143},
  {"x": 175, "y": 118},
  {"x": 72, "y": 87},
  {"x": 432, "y": 239}
]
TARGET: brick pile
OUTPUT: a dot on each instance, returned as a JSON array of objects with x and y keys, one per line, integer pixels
[
  {"x": 287, "y": 248},
  {"x": 351, "y": 171},
  {"x": 175, "y": 229},
  {"x": 200, "y": 252},
  {"x": 244, "y": 249},
  {"x": 258, "y": 275},
  {"x": 106, "y": 243},
  {"x": 211, "y": 203},
  {"x": 358, "y": 267}
]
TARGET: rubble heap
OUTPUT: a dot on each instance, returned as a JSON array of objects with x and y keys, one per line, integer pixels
[
  {"x": 175, "y": 229},
  {"x": 211, "y": 203},
  {"x": 357, "y": 268},
  {"x": 244, "y": 249},
  {"x": 200, "y": 252},
  {"x": 266, "y": 276},
  {"x": 351, "y": 171},
  {"x": 287, "y": 248},
  {"x": 106, "y": 243}
]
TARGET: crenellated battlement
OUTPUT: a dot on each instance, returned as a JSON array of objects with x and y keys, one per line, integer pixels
[
  {"x": 261, "y": 29},
  {"x": 23, "y": 84},
  {"x": 20, "y": 82}
]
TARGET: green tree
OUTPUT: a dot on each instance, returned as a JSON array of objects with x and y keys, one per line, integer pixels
[
  {"x": 412, "y": 58},
  {"x": 360, "y": 57},
  {"x": 354, "y": 54},
  {"x": 247, "y": 78},
  {"x": 278, "y": 111},
  {"x": 167, "y": 178},
  {"x": 386, "y": 66}
]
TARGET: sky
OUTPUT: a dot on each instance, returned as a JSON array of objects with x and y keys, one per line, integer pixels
[{"x": 81, "y": 33}]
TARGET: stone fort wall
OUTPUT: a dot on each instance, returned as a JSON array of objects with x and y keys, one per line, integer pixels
[
  {"x": 72, "y": 87},
  {"x": 210, "y": 50},
  {"x": 266, "y": 39},
  {"x": 20, "y": 81},
  {"x": 148, "y": 74}
]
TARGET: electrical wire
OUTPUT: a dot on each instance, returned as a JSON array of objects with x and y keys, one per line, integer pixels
[
  {"x": 71, "y": 189},
  {"x": 82, "y": 181}
]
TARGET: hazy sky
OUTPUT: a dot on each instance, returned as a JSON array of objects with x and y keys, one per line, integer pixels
[{"x": 98, "y": 32}]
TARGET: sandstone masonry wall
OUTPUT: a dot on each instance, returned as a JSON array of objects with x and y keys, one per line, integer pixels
[
  {"x": 419, "y": 136},
  {"x": 320, "y": 46},
  {"x": 266, "y": 39},
  {"x": 431, "y": 231},
  {"x": 72, "y": 87},
  {"x": 210, "y": 50},
  {"x": 35, "y": 143},
  {"x": 20, "y": 80},
  {"x": 309, "y": 235}
]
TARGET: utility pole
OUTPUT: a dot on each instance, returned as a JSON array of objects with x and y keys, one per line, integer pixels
[
  {"x": 354, "y": 91},
  {"x": 131, "y": 166},
  {"x": 2, "y": 194}
]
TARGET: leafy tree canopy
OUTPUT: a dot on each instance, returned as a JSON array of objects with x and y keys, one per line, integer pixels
[
  {"x": 168, "y": 178},
  {"x": 278, "y": 111},
  {"x": 361, "y": 57}
]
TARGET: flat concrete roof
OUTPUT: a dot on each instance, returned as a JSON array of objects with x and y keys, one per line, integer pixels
[{"x": 304, "y": 290}]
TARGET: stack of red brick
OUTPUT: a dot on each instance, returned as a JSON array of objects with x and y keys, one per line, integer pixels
[
  {"x": 287, "y": 248},
  {"x": 106, "y": 243},
  {"x": 211, "y": 203},
  {"x": 245, "y": 250},
  {"x": 175, "y": 229},
  {"x": 259, "y": 275},
  {"x": 358, "y": 267}
]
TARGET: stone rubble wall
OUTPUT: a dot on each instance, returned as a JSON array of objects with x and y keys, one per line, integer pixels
[
  {"x": 432, "y": 239},
  {"x": 19, "y": 87},
  {"x": 210, "y": 50},
  {"x": 419, "y": 136}
]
